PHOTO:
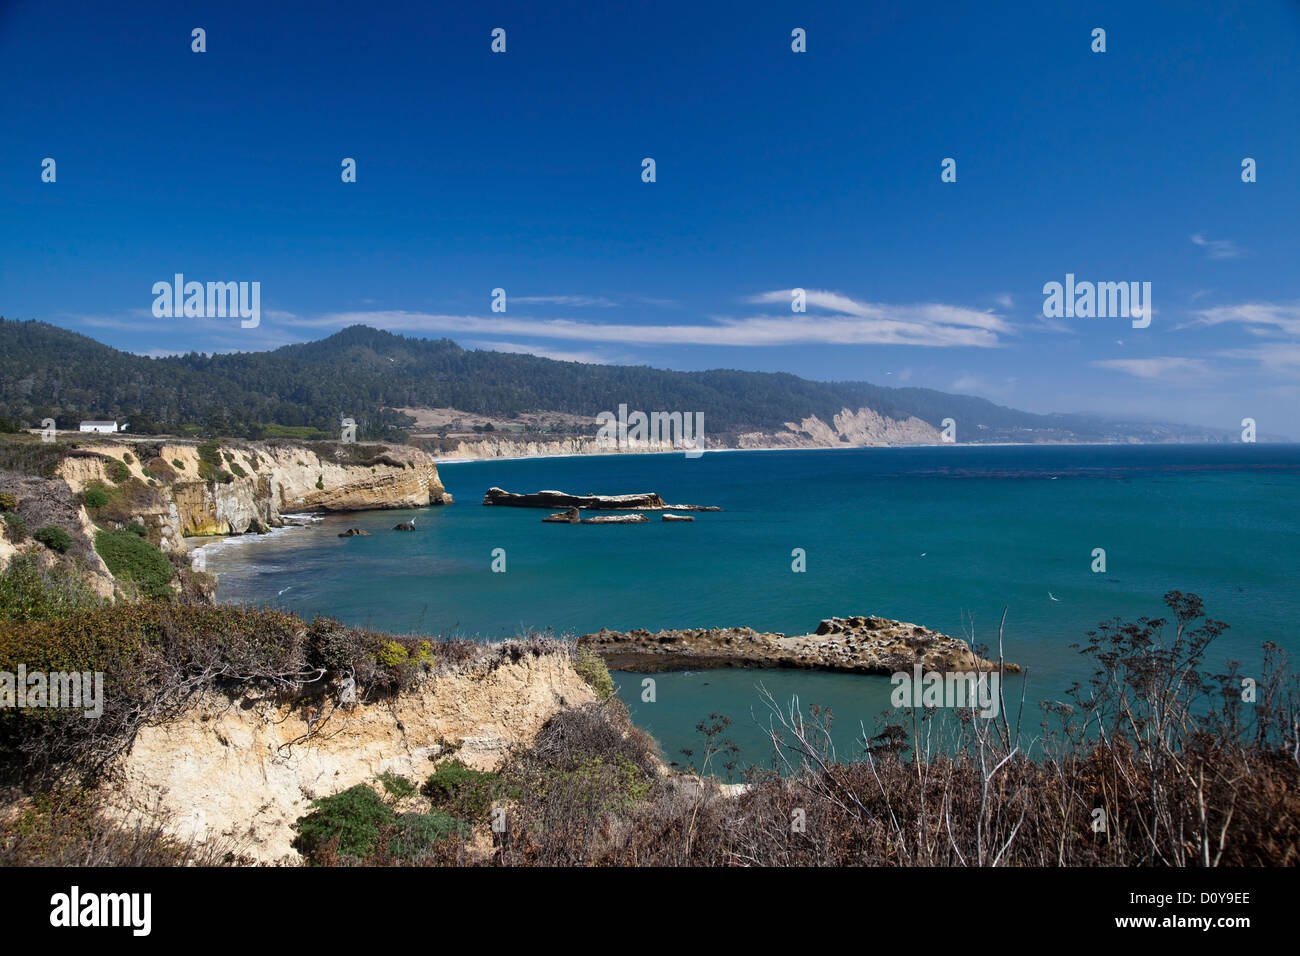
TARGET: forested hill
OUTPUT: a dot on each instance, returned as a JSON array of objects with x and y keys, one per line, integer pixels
[{"x": 46, "y": 371}]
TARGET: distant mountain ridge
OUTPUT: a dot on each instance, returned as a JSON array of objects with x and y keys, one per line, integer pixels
[{"x": 368, "y": 374}]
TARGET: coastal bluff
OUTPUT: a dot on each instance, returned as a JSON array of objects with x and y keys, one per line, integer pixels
[
  {"x": 858, "y": 645},
  {"x": 239, "y": 767},
  {"x": 180, "y": 489}
]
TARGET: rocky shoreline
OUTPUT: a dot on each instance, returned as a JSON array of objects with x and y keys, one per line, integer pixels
[{"x": 857, "y": 645}]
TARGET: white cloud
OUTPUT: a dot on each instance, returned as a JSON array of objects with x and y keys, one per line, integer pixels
[
  {"x": 1260, "y": 318},
  {"x": 927, "y": 325},
  {"x": 576, "y": 301},
  {"x": 1158, "y": 368},
  {"x": 1277, "y": 358},
  {"x": 591, "y": 358},
  {"x": 1218, "y": 248}
]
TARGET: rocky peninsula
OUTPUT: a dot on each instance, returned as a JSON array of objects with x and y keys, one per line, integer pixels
[
  {"x": 857, "y": 645},
  {"x": 640, "y": 501}
]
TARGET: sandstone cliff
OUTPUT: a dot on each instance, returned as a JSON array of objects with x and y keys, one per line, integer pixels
[
  {"x": 175, "y": 495},
  {"x": 848, "y": 429},
  {"x": 239, "y": 770}
]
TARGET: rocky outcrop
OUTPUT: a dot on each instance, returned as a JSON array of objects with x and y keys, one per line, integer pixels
[
  {"x": 669, "y": 517},
  {"x": 641, "y": 501},
  {"x": 860, "y": 645},
  {"x": 572, "y": 517},
  {"x": 176, "y": 495},
  {"x": 51, "y": 501},
  {"x": 848, "y": 429},
  {"x": 354, "y": 533},
  {"x": 243, "y": 770}
]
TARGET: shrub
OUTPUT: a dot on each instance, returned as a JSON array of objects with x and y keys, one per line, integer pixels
[
  {"x": 94, "y": 498},
  {"x": 8, "y": 502},
  {"x": 416, "y": 834},
  {"x": 29, "y": 592},
  {"x": 161, "y": 470},
  {"x": 69, "y": 827},
  {"x": 237, "y": 470},
  {"x": 397, "y": 786},
  {"x": 463, "y": 792},
  {"x": 54, "y": 538},
  {"x": 210, "y": 463},
  {"x": 137, "y": 529},
  {"x": 591, "y": 668},
  {"x": 31, "y": 456},
  {"x": 320, "y": 483},
  {"x": 178, "y": 464},
  {"x": 350, "y": 822},
  {"x": 120, "y": 503},
  {"x": 133, "y": 559},
  {"x": 392, "y": 654},
  {"x": 126, "y": 457},
  {"x": 117, "y": 471},
  {"x": 17, "y": 526}
]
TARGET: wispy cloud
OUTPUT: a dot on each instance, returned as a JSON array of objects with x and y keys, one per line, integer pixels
[
  {"x": 1218, "y": 248},
  {"x": 589, "y": 357},
  {"x": 1277, "y": 358},
  {"x": 1260, "y": 318},
  {"x": 851, "y": 321},
  {"x": 854, "y": 324},
  {"x": 576, "y": 301},
  {"x": 1160, "y": 368}
]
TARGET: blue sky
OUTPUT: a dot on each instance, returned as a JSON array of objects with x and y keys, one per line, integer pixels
[{"x": 775, "y": 170}]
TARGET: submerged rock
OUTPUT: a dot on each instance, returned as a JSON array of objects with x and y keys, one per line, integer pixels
[
  {"x": 353, "y": 533},
  {"x": 572, "y": 516}
]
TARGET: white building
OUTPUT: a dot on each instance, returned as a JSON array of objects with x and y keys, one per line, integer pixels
[{"x": 107, "y": 427}]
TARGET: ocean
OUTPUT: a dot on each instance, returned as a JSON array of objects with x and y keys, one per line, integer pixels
[{"x": 945, "y": 537}]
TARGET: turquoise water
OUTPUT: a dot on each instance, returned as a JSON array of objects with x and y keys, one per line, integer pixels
[{"x": 938, "y": 536}]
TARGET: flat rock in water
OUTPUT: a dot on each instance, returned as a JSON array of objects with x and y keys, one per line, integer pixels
[
  {"x": 861, "y": 645},
  {"x": 640, "y": 501},
  {"x": 668, "y": 517},
  {"x": 354, "y": 533}
]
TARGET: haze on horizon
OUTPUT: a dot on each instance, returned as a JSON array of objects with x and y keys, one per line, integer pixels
[{"x": 775, "y": 170}]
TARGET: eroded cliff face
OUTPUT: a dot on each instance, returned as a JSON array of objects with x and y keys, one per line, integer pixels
[
  {"x": 242, "y": 772},
  {"x": 848, "y": 429},
  {"x": 175, "y": 500}
]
